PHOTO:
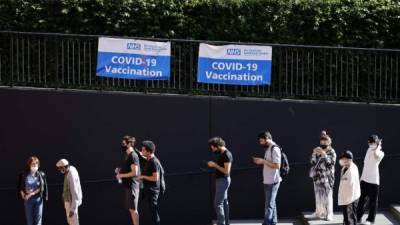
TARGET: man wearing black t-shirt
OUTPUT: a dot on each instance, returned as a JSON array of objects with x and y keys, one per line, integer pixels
[
  {"x": 222, "y": 178},
  {"x": 127, "y": 176},
  {"x": 151, "y": 180}
]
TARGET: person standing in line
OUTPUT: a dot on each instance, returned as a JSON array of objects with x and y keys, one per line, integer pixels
[
  {"x": 349, "y": 188},
  {"x": 222, "y": 178},
  {"x": 72, "y": 192},
  {"x": 127, "y": 174},
  {"x": 151, "y": 178},
  {"x": 271, "y": 175},
  {"x": 32, "y": 187},
  {"x": 370, "y": 179},
  {"x": 323, "y": 160}
]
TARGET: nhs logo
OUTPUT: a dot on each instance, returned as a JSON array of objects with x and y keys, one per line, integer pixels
[
  {"x": 233, "y": 51},
  {"x": 133, "y": 46}
]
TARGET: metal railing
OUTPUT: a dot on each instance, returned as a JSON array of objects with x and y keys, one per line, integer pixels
[{"x": 301, "y": 72}]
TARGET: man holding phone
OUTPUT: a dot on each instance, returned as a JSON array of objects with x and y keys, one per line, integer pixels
[
  {"x": 222, "y": 178},
  {"x": 271, "y": 176},
  {"x": 370, "y": 179}
]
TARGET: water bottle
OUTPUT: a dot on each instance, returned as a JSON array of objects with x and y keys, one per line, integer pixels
[{"x": 117, "y": 172}]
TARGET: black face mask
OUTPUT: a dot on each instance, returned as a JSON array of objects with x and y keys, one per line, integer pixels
[
  {"x": 123, "y": 148},
  {"x": 323, "y": 146}
]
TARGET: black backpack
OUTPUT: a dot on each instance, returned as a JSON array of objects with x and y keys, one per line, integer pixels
[
  {"x": 163, "y": 184},
  {"x": 284, "y": 170}
]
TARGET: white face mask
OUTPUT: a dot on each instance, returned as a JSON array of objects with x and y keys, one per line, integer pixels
[
  {"x": 34, "y": 169},
  {"x": 372, "y": 145}
]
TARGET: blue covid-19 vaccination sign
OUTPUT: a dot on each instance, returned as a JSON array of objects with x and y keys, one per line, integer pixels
[
  {"x": 133, "y": 59},
  {"x": 234, "y": 64}
]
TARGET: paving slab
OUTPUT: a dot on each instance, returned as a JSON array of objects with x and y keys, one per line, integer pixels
[{"x": 382, "y": 218}]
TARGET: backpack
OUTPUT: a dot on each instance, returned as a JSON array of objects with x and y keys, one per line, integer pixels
[
  {"x": 163, "y": 184},
  {"x": 284, "y": 170}
]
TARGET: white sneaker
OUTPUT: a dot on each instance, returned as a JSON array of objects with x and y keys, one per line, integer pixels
[
  {"x": 367, "y": 223},
  {"x": 314, "y": 216}
]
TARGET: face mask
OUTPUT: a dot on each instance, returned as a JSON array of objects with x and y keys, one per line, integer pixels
[
  {"x": 123, "y": 148},
  {"x": 372, "y": 145},
  {"x": 323, "y": 146},
  {"x": 341, "y": 162},
  {"x": 34, "y": 169},
  {"x": 62, "y": 170}
]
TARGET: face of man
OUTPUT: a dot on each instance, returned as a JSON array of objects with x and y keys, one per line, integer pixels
[
  {"x": 62, "y": 169},
  {"x": 124, "y": 145},
  {"x": 145, "y": 153},
  {"x": 262, "y": 141},
  {"x": 214, "y": 149}
]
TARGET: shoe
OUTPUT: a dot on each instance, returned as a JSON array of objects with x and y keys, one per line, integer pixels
[
  {"x": 314, "y": 216},
  {"x": 367, "y": 223},
  {"x": 328, "y": 219}
]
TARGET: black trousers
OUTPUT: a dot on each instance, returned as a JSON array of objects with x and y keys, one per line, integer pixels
[
  {"x": 350, "y": 213},
  {"x": 152, "y": 199},
  {"x": 368, "y": 191}
]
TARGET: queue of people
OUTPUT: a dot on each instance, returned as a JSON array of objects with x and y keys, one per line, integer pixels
[
  {"x": 141, "y": 176},
  {"x": 353, "y": 190}
]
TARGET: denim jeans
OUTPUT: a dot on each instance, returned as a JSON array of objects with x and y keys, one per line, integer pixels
[
  {"x": 271, "y": 213},
  {"x": 153, "y": 199},
  {"x": 221, "y": 200},
  {"x": 34, "y": 210}
]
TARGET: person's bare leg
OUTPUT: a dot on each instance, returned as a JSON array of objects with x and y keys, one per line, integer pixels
[{"x": 135, "y": 216}]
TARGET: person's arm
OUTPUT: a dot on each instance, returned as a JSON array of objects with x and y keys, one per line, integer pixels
[
  {"x": 378, "y": 153},
  {"x": 155, "y": 174},
  {"x": 21, "y": 191},
  {"x": 276, "y": 159},
  {"x": 272, "y": 165},
  {"x": 329, "y": 158},
  {"x": 153, "y": 178},
  {"x": 27, "y": 196},
  {"x": 74, "y": 183},
  {"x": 132, "y": 173},
  {"x": 46, "y": 190},
  {"x": 314, "y": 159},
  {"x": 225, "y": 170}
]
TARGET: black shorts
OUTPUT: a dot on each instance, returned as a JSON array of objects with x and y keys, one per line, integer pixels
[{"x": 131, "y": 198}]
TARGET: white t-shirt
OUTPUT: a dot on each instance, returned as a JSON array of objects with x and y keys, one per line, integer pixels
[
  {"x": 370, "y": 173},
  {"x": 272, "y": 176}
]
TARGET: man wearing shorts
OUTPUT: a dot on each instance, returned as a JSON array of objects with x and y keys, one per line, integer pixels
[{"x": 127, "y": 174}]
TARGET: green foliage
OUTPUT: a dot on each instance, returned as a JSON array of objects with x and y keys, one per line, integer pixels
[{"x": 362, "y": 23}]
